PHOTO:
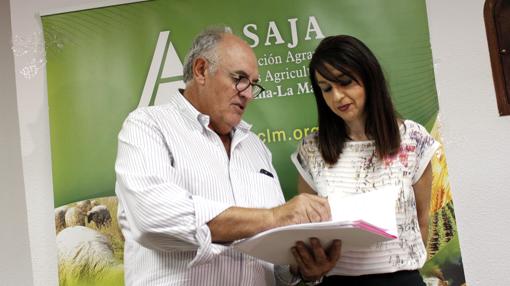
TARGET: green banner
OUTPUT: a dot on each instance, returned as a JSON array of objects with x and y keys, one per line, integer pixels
[
  {"x": 99, "y": 62},
  {"x": 103, "y": 63}
]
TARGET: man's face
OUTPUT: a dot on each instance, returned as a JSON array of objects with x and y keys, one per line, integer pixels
[{"x": 221, "y": 100}]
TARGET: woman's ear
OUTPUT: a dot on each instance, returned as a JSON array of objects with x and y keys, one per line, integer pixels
[{"x": 200, "y": 69}]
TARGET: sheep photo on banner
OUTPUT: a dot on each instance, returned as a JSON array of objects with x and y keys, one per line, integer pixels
[{"x": 103, "y": 62}]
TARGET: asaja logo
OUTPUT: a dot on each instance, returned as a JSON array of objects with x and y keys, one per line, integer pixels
[{"x": 165, "y": 73}]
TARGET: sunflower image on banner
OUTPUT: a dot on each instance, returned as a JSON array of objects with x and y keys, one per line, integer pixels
[{"x": 103, "y": 62}]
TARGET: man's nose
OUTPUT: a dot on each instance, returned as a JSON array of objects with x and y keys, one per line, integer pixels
[{"x": 248, "y": 93}]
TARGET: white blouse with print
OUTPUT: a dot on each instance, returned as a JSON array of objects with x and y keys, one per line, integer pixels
[{"x": 359, "y": 170}]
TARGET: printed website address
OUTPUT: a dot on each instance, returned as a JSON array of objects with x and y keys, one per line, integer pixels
[{"x": 272, "y": 136}]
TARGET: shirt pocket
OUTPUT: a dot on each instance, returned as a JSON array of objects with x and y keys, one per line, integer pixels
[{"x": 259, "y": 190}]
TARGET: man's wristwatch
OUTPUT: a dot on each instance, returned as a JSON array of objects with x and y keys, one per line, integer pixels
[{"x": 312, "y": 283}]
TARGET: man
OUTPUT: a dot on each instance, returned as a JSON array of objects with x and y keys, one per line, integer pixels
[{"x": 191, "y": 178}]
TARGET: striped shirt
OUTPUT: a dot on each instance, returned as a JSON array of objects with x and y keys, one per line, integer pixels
[
  {"x": 174, "y": 176},
  {"x": 359, "y": 170}
]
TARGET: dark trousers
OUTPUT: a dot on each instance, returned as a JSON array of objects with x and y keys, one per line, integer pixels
[{"x": 400, "y": 278}]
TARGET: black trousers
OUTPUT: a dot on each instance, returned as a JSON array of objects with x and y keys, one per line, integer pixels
[{"x": 400, "y": 278}]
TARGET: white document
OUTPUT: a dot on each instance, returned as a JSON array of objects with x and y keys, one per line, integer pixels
[
  {"x": 358, "y": 220},
  {"x": 376, "y": 208}
]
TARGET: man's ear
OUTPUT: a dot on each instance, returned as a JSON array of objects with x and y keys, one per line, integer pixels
[{"x": 200, "y": 67}]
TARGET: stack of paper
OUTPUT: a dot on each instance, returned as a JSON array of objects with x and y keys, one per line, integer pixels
[{"x": 357, "y": 220}]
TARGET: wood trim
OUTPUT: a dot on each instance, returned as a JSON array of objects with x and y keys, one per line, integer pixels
[{"x": 496, "y": 53}]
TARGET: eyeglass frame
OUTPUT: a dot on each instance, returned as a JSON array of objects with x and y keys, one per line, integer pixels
[{"x": 237, "y": 78}]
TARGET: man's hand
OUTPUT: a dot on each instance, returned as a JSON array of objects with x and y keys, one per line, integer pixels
[
  {"x": 236, "y": 222},
  {"x": 302, "y": 208},
  {"x": 314, "y": 262}
]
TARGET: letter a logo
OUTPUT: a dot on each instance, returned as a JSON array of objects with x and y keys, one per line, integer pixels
[{"x": 165, "y": 73}]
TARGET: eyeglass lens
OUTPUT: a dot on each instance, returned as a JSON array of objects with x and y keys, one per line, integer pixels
[{"x": 243, "y": 84}]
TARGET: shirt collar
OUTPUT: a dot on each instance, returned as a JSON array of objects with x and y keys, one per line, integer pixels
[{"x": 197, "y": 119}]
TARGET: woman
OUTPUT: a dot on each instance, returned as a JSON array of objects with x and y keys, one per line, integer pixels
[{"x": 363, "y": 146}]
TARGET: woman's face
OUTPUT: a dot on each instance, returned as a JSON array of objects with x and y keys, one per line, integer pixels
[{"x": 345, "y": 97}]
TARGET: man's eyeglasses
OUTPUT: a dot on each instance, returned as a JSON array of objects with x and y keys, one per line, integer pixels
[{"x": 242, "y": 83}]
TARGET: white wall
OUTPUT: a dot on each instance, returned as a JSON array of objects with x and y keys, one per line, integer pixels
[
  {"x": 15, "y": 260},
  {"x": 477, "y": 140},
  {"x": 474, "y": 135}
]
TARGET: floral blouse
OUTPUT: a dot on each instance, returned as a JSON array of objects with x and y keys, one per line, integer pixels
[{"x": 359, "y": 170}]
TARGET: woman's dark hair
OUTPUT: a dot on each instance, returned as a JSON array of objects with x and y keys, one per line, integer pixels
[{"x": 354, "y": 59}]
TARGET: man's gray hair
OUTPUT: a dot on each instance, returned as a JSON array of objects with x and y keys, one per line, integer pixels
[{"x": 204, "y": 45}]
